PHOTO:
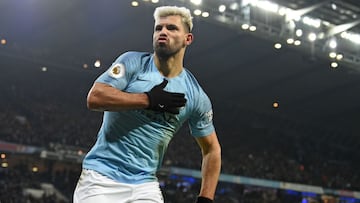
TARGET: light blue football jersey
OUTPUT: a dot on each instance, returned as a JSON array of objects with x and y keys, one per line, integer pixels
[{"x": 131, "y": 143}]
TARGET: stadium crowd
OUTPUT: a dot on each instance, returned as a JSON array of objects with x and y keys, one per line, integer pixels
[{"x": 285, "y": 153}]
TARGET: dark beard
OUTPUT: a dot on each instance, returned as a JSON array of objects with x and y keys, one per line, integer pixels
[{"x": 164, "y": 52}]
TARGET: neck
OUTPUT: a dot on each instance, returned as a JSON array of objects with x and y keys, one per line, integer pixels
[{"x": 169, "y": 67}]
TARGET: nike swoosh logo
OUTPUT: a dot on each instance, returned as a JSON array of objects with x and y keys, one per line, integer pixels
[
  {"x": 161, "y": 105},
  {"x": 143, "y": 78}
]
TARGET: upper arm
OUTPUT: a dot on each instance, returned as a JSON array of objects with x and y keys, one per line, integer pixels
[
  {"x": 105, "y": 97},
  {"x": 97, "y": 94},
  {"x": 209, "y": 143}
]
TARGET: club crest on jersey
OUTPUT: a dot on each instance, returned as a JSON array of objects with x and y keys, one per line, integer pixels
[{"x": 117, "y": 70}]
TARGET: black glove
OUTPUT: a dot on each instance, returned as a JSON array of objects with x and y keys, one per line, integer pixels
[
  {"x": 203, "y": 200},
  {"x": 161, "y": 100}
]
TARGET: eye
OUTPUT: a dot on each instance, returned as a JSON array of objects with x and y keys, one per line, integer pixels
[
  {"x": 158, "y": 28},
  {"x": 171, "y": 27}
]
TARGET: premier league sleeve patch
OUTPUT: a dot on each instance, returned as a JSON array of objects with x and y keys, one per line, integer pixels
[{"x": 117, "y": 70}]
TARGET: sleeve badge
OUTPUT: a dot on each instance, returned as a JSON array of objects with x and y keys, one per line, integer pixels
[{"x": 117, "y": 70}]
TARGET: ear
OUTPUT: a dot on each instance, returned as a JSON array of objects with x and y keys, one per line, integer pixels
[{"x": 189, "y": 38}]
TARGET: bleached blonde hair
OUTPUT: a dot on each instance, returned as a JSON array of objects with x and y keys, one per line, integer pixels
[{"x": 164, "y": 11}]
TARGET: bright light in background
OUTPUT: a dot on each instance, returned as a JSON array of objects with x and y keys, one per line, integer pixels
[
  {"x": 277, "y": 46},
  {"x": 155, "y": 1},
  {"x": 311, "y": 22},
  {"x": 333, "y": 6},
  {"x": 332, "y": 55},
  {"x": 35, "y": 169},
  {"x": 245, "y": 2},
  {"x": 290, "y": 41},
  {"x": 135, "y": 3},
  {"x": 312, "y": 36},
  {"x": 85, "y": 66},
  {"x": 275, "y": 104},
  {"x": 245, "y": 26},
  {"x": 299, "y": 32},
  {"x": 4, "y": 164},
  {"x": 333, "y": 44},
  {"x": 339, "y": 57},
  {"x": 196, "y": 2},
  {"x": 222, "y": 8},
  {"x": 3, "y": 41},
  {"x": 252, "y": 28},
  {"x": 351, "y": 36},
  {"x": 205, "y": 14},
  {"x": 282, "y": 11},
  {"x": 80, "y": 152},
  {"x": 267, "y": 6},
  {"x": 97, "y": 64},
  {"x": 43, "y": 69},
  {"x": 297, "y": 42},
  {"x": 234, "y": 6},
  {"x": 197, "y": 12},
  {"x": 291, "y": 15},
  {"x": 3, "y": 156},
  {"x": 334, "y": 64}
]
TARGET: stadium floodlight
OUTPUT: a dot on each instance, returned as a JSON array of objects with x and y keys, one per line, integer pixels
[
  {"x": 134, "y": 3},
  {"x": 353, "y": 37},
  {"x": 311, "y": 21},
  {"x": 339, "y": 57},
  {"x": 246, "y": 2},
  {"x": 312, "y": 37},
  {"x": 222, "y": 8},
  {"x": 196, "y": 2},
  {"x": 44, "y": 69},
  {"x": 245, "y": 26},
  {"x": 334, "y": 64},
  {"x": 297, "y": 42},
  {"x": 234, "y": 6},
  {"x": 282, "y": 11},
  {"x": 268, "y": 6},
  {"x": 97, "y": 63},
  {"x": 333, "y": 6},
  {"x": 290, "y": 41},
  {"x": 299, "y": 32},
  {"x": 197, "y": 12},
  {"x": 292, "y": 15},
  {"x": 332, "y": 55},
  {"x": 332, "y": 44},
  {"x": 205, "y": 14},
  {"x": 277, "y": 46}
]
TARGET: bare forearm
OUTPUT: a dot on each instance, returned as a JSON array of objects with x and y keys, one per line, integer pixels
[
  {"x": 102, "y": 97},
  {"x": 211, "y": 167}
]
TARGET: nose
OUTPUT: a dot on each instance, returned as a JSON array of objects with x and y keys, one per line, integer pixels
[{"x": 163, "y": 31}]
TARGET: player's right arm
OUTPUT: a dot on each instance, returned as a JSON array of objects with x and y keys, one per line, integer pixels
[{"x": 103, "y": 97}]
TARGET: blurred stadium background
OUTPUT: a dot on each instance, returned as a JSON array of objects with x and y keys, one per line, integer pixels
[{"x": 283, "y": 77}]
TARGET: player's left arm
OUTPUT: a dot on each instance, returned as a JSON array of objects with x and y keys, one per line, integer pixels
[{"x": 211, "y": 164}]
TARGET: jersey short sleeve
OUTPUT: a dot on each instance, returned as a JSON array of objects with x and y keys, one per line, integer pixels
[
  {"x": 122, "y": 70},
  {"x": 201, "y": 120}
]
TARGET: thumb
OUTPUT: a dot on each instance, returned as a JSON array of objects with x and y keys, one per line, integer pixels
[{"x": 163, "y": 84}]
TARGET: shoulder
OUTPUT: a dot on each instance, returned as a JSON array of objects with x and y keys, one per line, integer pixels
[
  {"x": 194, "y": 86},
  {"x": 200, "y": 99},
  {"x": 133, "y": 56},
  {"x": 133, "y": 61}
]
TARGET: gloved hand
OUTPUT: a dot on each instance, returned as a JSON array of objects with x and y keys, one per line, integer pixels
[
  {"x": 203, "y": 200},
  {"x": 161, "y": 100}
]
